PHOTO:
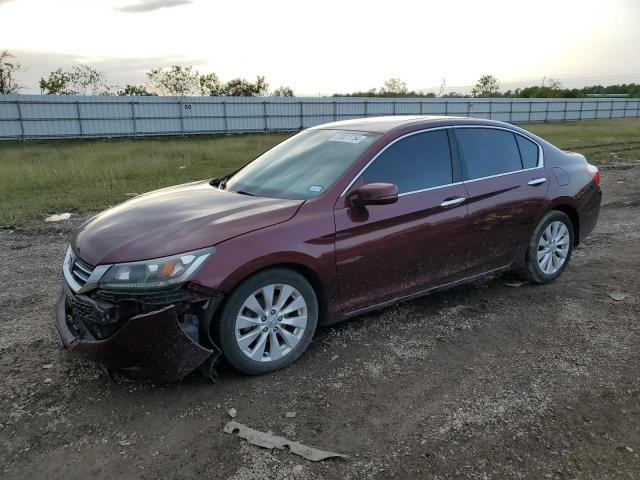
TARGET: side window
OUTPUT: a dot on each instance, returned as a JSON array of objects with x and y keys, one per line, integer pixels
[
  {"x": 528, "y": 152},
  {"x": 488, "y": 151},
  {"x": 414, "y": 163}
]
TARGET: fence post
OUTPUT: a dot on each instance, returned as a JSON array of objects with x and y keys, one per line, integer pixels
[
  {"x": 394, "y": 106},
  {"x": 490, "y": 109},
  {"x": 611, "y": 109},
  {"x": 546, "y": 113},
  {"x": 446, "y": 107},
  {"x": 366, "y": 103},
  {"x": 335, "y": 110},
  {"x": 20, "y": 119},
  {"x": 469, "y": 108},
  {"x": 180, "y": 106},
  {"x": 79, "y": 119},
  {"x": 530, "y": 110},
  {"x": 597, "y": 110},
  {"x": 566, "y": 105},
  {"x": 302, "y": 115},
  {"x": 133, "y": 118},
  {"x": 224, "y": 116},
  {"x": 510, "y": 111},
  {"x": 266, "y": 117},
  {"x": 581, "y": 109}
]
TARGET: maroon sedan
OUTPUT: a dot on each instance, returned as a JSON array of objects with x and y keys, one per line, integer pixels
[{"x": 335, "y": 221}]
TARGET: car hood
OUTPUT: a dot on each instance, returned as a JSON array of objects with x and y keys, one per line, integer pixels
[{"x": 175, "y": 220}]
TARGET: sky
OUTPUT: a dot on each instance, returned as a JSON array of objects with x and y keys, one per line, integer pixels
[{"x": 331, "y": 46}]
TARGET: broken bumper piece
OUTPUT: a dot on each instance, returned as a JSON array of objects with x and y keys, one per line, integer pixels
[{"x": 151, "y": 346}]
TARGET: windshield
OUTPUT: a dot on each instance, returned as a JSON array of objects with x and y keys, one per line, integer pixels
[{"x": 303, "y": 166}]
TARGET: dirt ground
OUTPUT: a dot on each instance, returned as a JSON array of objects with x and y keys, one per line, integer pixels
[{"x": 483, "y": 381}]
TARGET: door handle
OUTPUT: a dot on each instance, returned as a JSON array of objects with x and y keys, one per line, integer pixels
[
  {"x": 536, "y": 181},
  {"x": 452, "y": 202}
]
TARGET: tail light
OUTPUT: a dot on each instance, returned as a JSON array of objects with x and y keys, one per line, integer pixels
[{"x": 594, "y": 172}]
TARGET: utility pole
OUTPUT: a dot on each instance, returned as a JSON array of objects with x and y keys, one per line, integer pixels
[{"x": 441, "y": 90}]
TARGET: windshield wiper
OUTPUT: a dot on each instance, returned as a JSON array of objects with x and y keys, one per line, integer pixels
[{"x": 242, "y": 192}]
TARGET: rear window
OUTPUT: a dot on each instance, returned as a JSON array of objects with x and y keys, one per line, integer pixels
[
  {"x": 488, "y": 152},
  {"x": 414, "y": 163},
  {"x": 528, "y": 152}
]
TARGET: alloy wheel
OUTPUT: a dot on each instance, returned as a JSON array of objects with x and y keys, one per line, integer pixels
[
  {"x": 553, "y": 247},
  {"x": 271, "y": 322}
]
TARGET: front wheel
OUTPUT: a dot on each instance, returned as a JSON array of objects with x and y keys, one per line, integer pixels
[
  {"x": 268, "y": 321},
  {"x": 550, "y": 248}
]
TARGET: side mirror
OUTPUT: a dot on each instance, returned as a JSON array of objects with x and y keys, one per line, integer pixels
[{"x": 374, "y": 194}]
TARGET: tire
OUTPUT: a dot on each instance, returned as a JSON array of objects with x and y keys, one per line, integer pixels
[
  {"x": 536, "y": 268},
  {"x": 244, "y": 327}
]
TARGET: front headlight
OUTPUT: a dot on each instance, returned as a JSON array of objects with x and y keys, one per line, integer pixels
[{"x": 160, "y": 272}]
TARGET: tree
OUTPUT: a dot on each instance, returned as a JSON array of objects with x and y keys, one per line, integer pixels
[
  {"x": 239, "y": 87},
  {"x": 394, "y": 87},
  {"x": 8, "y": 70},
  {"x": 454, "y": 95},
  {"x": 175, "y": 80},
  {"x": 282, "y": 92},
  {"x": 210, "y": 85},
  {"x": 135, "y": 90},
  {"x": 57, "y": 83},
  {"x": 487, "y": 86},
  {"x": 80, "y": 80},
  {"x": 553, "y": 84},
  {"x": 185, "y": 81}
]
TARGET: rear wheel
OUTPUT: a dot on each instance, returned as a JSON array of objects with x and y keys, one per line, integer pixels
[
  {"x": 550, "y": 248},
  {"x": 268, "y": 321}
]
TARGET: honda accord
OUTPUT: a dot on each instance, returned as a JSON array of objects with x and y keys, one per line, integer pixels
[{"x": 337, "y": 220}]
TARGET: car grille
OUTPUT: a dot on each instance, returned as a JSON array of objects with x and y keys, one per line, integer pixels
[
  {"x": 83, "y": 309},
  {"x": 150, "y": 297},
  {"x": 90, "y": 320},
  {"x": 81, "y": 271}
]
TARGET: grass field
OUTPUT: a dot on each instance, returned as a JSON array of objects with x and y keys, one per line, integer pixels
[{"x": 42, "y": 177}]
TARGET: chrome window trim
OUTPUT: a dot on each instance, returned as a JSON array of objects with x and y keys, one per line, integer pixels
[
  {"x": 430, "y": 188},
  {"x": 540, "y": 158},
  {"x": 502, "y": 174}
]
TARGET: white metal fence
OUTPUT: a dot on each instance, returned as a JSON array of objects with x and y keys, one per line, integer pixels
[{"x": 41, "y": 116}]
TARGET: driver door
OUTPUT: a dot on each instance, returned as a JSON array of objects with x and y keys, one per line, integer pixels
[{"x": 387, "y": 252}]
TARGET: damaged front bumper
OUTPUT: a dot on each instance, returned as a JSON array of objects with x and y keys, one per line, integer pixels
[{"x": 159, "y": 343}]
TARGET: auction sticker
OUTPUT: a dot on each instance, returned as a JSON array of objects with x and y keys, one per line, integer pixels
[{"x": 347, "y": 138}]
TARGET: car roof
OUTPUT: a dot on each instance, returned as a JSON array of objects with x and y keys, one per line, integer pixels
[{"x": 387, "y": 123}]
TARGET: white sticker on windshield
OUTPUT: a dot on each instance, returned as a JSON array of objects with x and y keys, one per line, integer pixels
[
  {"x": 315, "y": 188},
  {"x": 347, "y": 138}
]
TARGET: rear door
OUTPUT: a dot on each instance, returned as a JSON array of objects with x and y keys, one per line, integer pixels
[
  {"x": 507, "y": 186},
  {"x": 385, "y": 252}
]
